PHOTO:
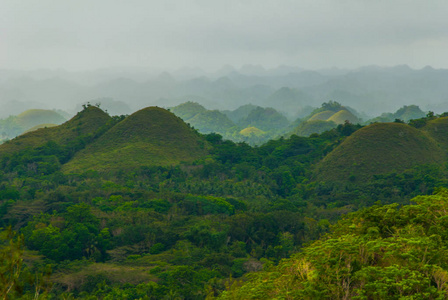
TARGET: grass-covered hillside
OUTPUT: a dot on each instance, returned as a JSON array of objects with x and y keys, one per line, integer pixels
[
  {"x": 145, "y": 207},
  {"x": 86, "y": 123},
  {"x": 33, "y": 117},
  {"x": 15, "y": 125},
  {"x": 438, "y": 128},
  {"x": 343, "y": 115},
  {"x": 328, "y": 116},
  {"x": 44, "y": 125},
  {"x": 377, "y": 149},
  {"x": 151, "y": 136}
]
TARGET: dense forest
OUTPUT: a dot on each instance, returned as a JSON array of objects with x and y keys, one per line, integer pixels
[{"x": 146, "y": 207}]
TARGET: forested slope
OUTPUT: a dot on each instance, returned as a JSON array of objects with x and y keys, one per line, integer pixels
[{"x": 139, "y": 225}]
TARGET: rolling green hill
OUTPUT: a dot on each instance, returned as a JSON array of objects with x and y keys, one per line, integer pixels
[
  {"x": 16, "y": 125},
  {"x": 378, "y": 149},
  {"x": 188, "y": 110},
  {"x": 328, "y": 116},
  {"x": 343, "y": 115},
  {"x": 211, "y": 121},
  {"x": 265, "y": 119},
  {"x": 86, "y": 123},
  {"x": 239, "y": 113},
  {"x": 33, "y": 117},
  {"x": 405, "y": 113},
  {"x": 252, "y": 131},
  {"x": 206, "y": 121},
  {"x": 151, "y": 136},
  {"x": 322, "y": 116}
]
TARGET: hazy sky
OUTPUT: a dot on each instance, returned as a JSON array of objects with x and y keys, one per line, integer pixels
[{"x": 89, "y": 34}]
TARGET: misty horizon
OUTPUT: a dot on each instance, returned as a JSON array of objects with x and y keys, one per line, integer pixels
[{"x": 372, "y": 56}]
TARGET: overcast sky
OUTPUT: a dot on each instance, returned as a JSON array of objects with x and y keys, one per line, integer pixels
[{"x": 90, "y": 34}]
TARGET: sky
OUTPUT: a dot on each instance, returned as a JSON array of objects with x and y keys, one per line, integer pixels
[{"x": 91, "y": 34}]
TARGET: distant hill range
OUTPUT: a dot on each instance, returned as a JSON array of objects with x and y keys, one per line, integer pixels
[
  {"x": 153, "y": 136},
  {"x": 372, "y": 90},
  {"x": 405, "y": 113},
  {"x": 264, "y": 123}
]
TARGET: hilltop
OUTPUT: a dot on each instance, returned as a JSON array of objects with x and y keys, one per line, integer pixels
[
  {"x": 151, "y": 136},
  {"x": 34, "y": 117},
  {"x": 16, "y": 125},
  {"x": 405, "y": 113},
  {"x": 266, "y": 119},
  {"x": 378, "y": 149},
  {"x": 239, "y": 113},
  {"x": 206, "y": 121},
  {"x": 328, "y": 116},
  {"x": 86, "y": 123}
]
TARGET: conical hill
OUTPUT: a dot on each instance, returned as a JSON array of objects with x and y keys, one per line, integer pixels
[
  {"x": 151, "y": 136},
  {"x": 86, "y": 123},
  {"x": 379, "y": 149},
  {"x": 343, "y": 115},
  {"x": 34, "y": 117},
  {"x": 322, "y": 116}
]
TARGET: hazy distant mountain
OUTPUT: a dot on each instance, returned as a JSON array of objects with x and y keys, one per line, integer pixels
[
  {"x": 240, "y": 113},
  {"x": 371, "y": 89},
  {"x": 405, "y": 113}
]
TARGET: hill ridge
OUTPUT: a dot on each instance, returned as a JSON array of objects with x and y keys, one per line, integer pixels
[{"x": 150, "y": 136}]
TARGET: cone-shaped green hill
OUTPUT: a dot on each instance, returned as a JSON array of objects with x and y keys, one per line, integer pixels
[
  {"x": 86, "y": 122},
  {"x": 33, "y": 117},
  {"x": 379, "y": 149},
  {"x": 322, "y": 116},
  {"x": 249, "y": 131},
  {"x": 343, "y": 115},
  {"x": 151, "y": 136}
]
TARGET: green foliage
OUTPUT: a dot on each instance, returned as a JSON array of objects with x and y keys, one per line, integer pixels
[
  {"x": 383, "y": 252},
  {"x": 77, "y": 235},
  {"x": 16, "y": 279},
  {"x": 82, "y": 128},
  {"x": 199, "y": 205},
  {"x": 134, "y": 229}
]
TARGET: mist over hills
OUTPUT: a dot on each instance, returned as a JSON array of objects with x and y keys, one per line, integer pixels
[{"x": 372, "y": 90}]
